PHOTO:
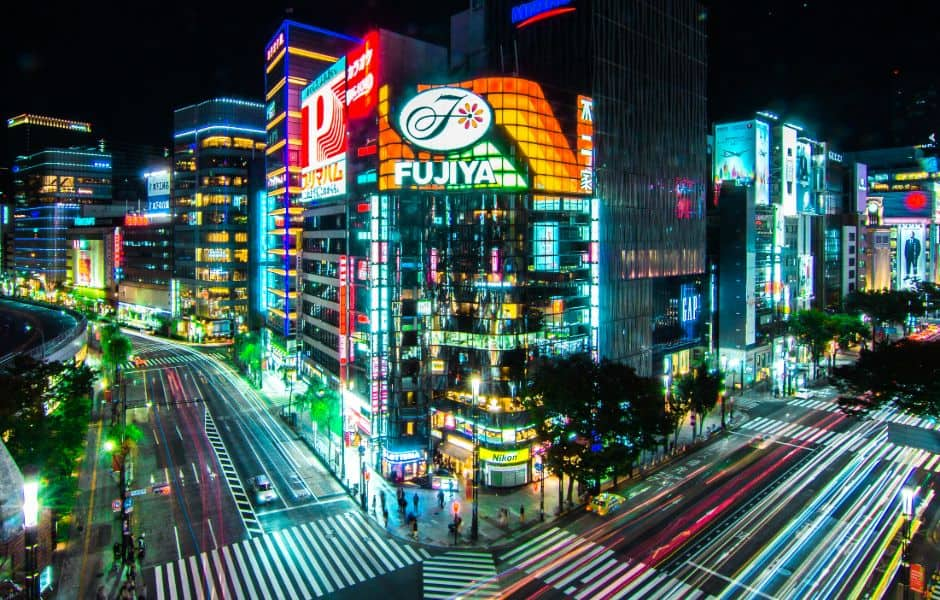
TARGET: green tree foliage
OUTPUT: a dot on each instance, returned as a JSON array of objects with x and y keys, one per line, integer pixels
[
  {"x": 116, "y": 348},
  {"x": 697, "y": 391},
  {"x": 248, "y": 354},
  {"x": 323, "y": 404},
  {"x": 886, "y": 307},
  {"x": 905, "y": 374},
  {"x": 595, "y": 417},
  {"x": 813, "y": 329},
  {"x": 44, "y": 420}
]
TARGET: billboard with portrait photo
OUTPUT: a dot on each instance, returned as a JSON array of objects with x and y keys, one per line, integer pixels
[{"x": 911, "y": 253}]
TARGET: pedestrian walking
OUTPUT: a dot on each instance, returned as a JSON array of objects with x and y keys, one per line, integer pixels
[
  {"x": 373, "y": 504},
  {"x": 385, "y": 516},
  {"x": 382, "y": 498},
  {"x": 521, "y": 514},
  {"x": 440, "y": 498},
  {"x": 415, "y": 500},
  {"x": 414, "y": 529}
]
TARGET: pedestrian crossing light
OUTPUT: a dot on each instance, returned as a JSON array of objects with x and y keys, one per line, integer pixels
[{"x": 456, "y": 508}]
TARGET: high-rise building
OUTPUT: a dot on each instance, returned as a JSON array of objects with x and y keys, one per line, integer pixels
[
  {"x": 644, "y": 64},
  {"x": 295, "y": 56},
  {"x": 217, "y": 181},
  {"x": 27, "y": 134},
  {"x": 51, "y": 187}
]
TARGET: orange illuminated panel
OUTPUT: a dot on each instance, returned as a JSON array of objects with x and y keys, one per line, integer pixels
[{"x": 521, "y": 110}]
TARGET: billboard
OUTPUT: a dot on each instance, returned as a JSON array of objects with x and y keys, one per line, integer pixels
[
  {"x": 861, "y": 187},
  {"x": 734, "y": 152},
  {"x": 788, "y": 181},
  {"x": 805, "y": 196},
  {"x": 910, "y": 255},
  {"x": 461, "y": 136},
  {"x": 158, "y": 192},
  {"x": 88, "y": 263},
  {"x": 323, "y": 135},
  {"x": 362, "y": 85},
  {"x": 762, "y": 164},
  {"x": 916, "y": 204}
]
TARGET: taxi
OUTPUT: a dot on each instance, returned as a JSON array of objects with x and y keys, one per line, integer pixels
[{"x": 605, "y": 502}]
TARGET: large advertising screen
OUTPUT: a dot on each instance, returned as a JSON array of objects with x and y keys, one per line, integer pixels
[
  {"x": 88, "y": 263},
  {"x": 323, "y": 135},
  {"x": 806, "y": 197},
  {"x": 910, "y": 255},
  {"x": 734, "y": 152},
  {"x": 762, "y": 164},
  {"x": 917, "y": 204},
  {"x": 788, "y": 181},
  {"x": 861, "y": 187}
]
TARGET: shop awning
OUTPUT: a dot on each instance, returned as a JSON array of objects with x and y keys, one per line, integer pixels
[{"x": 455, "y": 451}]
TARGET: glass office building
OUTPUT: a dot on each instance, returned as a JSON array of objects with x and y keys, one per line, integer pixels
[
  {"x": 217, "y": 177},
  {"x": 50, "y": 188}
]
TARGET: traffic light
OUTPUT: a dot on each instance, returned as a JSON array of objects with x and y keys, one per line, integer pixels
[
  {"x": 692, "y": 420},
  {"x": 455, "y": 508}
]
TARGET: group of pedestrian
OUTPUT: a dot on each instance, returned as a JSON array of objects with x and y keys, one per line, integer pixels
[{"x": 503, "y": 519}]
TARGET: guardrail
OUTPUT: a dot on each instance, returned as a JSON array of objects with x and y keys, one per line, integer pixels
[{"x": 48, "y": 347}]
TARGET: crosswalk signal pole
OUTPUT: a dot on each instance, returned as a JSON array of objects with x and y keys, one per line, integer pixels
[{"x": 474, "y": 521}]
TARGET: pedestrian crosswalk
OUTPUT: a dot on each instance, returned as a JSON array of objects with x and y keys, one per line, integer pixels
[
  {"x": 311, "y": 560},
  {"x": 583, "y": 569},
  {"x": 159, "y": 361},
  {"x": 460, "y": 574},
  {"x": 886, "y": 413},
  {"x": 808, "y": 435}
]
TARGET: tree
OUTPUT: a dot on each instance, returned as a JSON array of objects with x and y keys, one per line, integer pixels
[
  {"x": 905, "y": 374},
  {"x": 698, "y": 392},
  {"x": 815, "y": 330},
  {"x": 116, "y": 348},
  {"x": 596, "y": 417},
  {"x": 886, "y": 306},
  {"x": 248, "y": 353}
]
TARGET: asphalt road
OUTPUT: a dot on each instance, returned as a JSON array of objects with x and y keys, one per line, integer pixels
[
  {"x": 803, "y": 511},
  {"x": 43, "y": 323}
]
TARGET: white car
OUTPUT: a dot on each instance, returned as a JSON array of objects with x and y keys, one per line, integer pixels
[
  {"x": 264, "y": 491},
  {"x": 804, "y": 394}
]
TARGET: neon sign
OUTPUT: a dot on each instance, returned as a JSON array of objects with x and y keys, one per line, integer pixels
[
  {"x": 527, "y": 13},
  {"x": 361, "y": 88},
  {"x": 323, "y": 135},
  {"x": 451, "y": 172},
  {"x": 445, "y": 119},
  {"x": 276, "y": 45}
]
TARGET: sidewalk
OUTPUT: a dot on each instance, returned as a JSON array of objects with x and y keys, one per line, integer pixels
[{"x": 433, "y": 521}]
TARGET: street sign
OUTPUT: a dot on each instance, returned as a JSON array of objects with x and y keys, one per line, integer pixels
[
  {"x": 917, "y": 578},
  {"x": 128, "y": 505},
  {"x": 161, "y": 489},
  {"x": 362, "y": 450},
  {"x": 538, "y": 467},
  {"x": 139, "y": 492},
  {"x": 116, "y": 505}
]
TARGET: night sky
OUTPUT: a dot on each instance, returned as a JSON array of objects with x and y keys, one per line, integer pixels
[{"x": 835, "y": 67}]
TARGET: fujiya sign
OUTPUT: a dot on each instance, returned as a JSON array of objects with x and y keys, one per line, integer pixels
[{"x": 445, "y": 120}]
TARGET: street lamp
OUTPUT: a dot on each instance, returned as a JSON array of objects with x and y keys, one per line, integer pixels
[
  {"x": 474, "y": 520},
  {"x": 31, "y": 542},
  {"x": 42, "y": 335}
]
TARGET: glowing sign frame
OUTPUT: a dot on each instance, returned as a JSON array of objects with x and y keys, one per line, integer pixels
[{"x": 523, "y": 15}]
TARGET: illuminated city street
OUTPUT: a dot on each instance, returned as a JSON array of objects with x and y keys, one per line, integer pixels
[{"x": 470, "y": 299}]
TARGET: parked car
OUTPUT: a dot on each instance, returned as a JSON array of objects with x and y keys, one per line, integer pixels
[
  {"x": 605, "y": 502},
  {"x": 264, "y": 491}
]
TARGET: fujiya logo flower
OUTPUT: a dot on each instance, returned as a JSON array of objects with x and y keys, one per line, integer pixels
[
  {"x": 445, "y": 119},
  {"x": 470, "y": 115}
]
